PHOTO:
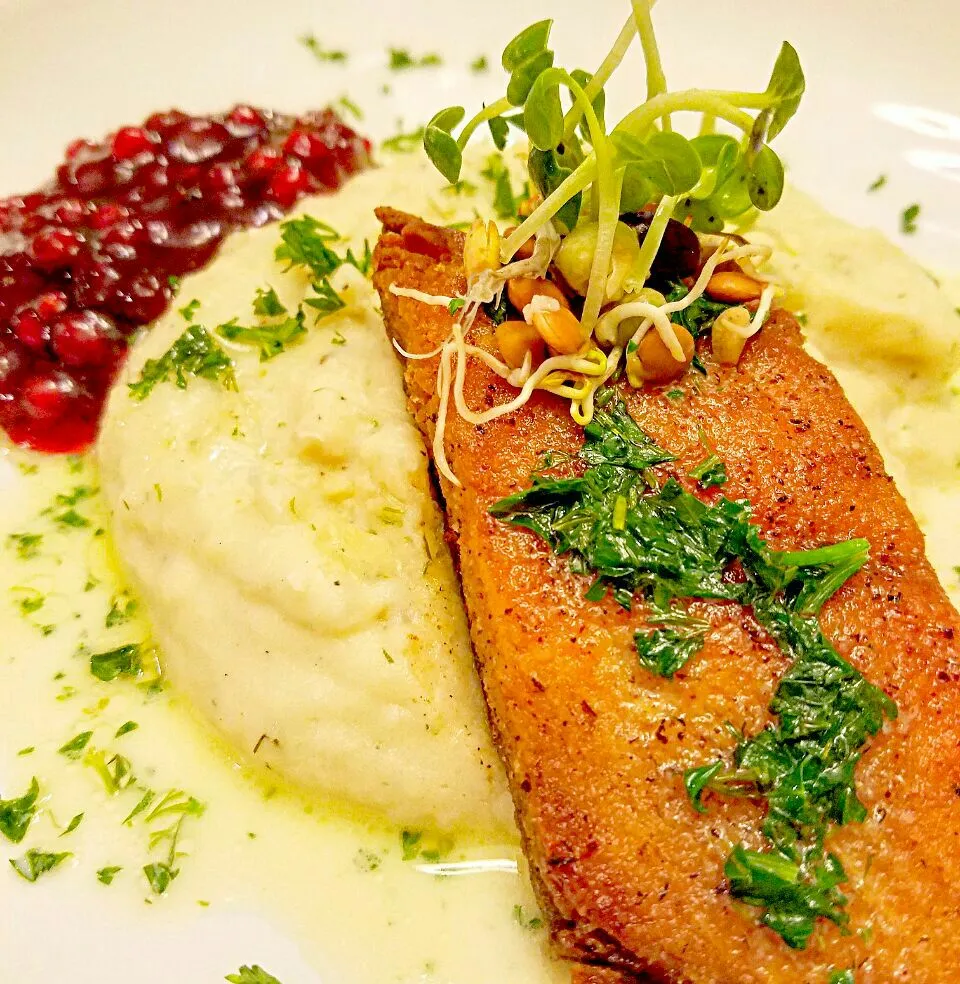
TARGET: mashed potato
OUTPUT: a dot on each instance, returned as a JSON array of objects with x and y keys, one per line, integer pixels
[{"x": 287, "y": 547}]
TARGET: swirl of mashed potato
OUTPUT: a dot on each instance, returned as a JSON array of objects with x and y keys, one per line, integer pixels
[{"x": 286, "y": 544}]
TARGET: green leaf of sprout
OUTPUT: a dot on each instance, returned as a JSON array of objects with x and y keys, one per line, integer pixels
[
  {"x": 765, "y": 179},
  {"x": 524, "y": 76},
  {"x": 667, "y": 160},
  {"x": 499, "y": 128},
  {"x": 786, "y": 88},
  {"x": 547, "y": 174},
  {"x": 444, "y": 152},
  {"x": 530, "y": 41},
  {"x": 543, "y": 111},
  {"x": 447, "y": 119}
]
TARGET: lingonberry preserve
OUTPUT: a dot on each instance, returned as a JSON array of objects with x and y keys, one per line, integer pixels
[{"x": 97, "y": 253}]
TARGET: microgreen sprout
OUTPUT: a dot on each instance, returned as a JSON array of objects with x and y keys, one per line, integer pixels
[{"x": 585, "y": 169}]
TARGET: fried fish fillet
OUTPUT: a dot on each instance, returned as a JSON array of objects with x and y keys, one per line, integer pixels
[{"x": 595, "y": 746}]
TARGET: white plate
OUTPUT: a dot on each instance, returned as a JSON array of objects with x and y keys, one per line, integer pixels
[{"x": 882, "y": 99}]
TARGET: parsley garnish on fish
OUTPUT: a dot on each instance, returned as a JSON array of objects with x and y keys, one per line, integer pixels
[
  {"x": 17, "y": 814},
  {"x": 251, "y": 975},
  {"x": 35, "y": 863},
  {"x": 642, "y": 537},
  {"x": 710, "y": 472}
]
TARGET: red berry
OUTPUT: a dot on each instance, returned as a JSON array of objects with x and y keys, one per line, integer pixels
[
  {"x": 50, "y": 304},
  {"x": 263, "y": 161},
  {"x": 53, "y": 248},
  {"x": 30, "y": 329},
  {"x": 106, "y": 214},
  {"x": 288, "y": 184},
  {"x": 130, "y": 142},
  {"x": 84, "y": 338},
  {"x": 69, "y": 212},
  {"x": 48, "y": 396}
]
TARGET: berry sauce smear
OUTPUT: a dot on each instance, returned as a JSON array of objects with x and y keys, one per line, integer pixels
[{"x": 97, "y": 253}]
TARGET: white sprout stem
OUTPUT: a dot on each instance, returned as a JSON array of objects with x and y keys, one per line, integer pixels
[
  {"x": 584, "y": 175},
  {"x": 435, "y": 300},
  {"x": 610, "y": 185},
  {"x": 656, "y": 80},
  {"x": 763, "y": 308},
  {"x": 653, "y": 239},
  {"x": 443, "y": 388},
  {"x": 640, "y": 120},
  {"x": 607, "y": 67},
  {"x": 490, "y": 112},
  {"x": 417, "y": 356}
]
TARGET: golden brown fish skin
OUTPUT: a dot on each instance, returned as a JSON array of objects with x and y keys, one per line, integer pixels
[{"x": 595, "y": 746}]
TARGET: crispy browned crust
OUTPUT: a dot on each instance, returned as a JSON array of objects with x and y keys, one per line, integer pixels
[{"x": 595, "y": 747}]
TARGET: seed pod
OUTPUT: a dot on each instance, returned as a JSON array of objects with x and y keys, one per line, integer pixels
[
  {"x": 516, "y": 339},
  {"x": 729, "y": 335},
  {"x": 651, "y": 361}
]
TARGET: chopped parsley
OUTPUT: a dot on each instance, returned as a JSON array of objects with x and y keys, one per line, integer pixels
[
  {"x": 505, "y": 203},
  {"x": 270, "y": 339},
  {"x": 480, "y": 64},
  {"x": 17, "y": 814},
  {"x": 401, "y": 60},
  {"x": 327, "y": 300},
  {"x": 30, "y": 600},
  {"x": 72, "y": 825},
  {"x": 251, "y": 975},
  {"x": 35, "y": 863},
  {"x": 106, "y": 875},
  {"x": 415, "y": 846},
  {"x": 710, "y": 472},
  {"x": 404, "y": 142},
  {"x": 531, "y": 923},
  {"x": 195, "y": 354},
  {"x": 642, "y": 537},
  {"x": 908, "y": 219},
  {"x": 345, "y": 102},
  {"x": 877, "y": 183},
  {"x": 122, "y": 661},
  {"x": 73, "y": 749},
  {"x": 126, "y": 728},
  {"x": 27, "y": 545},
  {"x": 313, "y": 45},
  {"x": 456, "y": 304},
  {"x": 122, "y": 609}
]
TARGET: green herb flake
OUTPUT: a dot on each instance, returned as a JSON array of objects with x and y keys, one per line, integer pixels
[
  {"x": 123, "y": 661},
  {"x": 29, "y": 750},
  {"x": 35, "y": 863},
  {"x": 72, "y": 825},
  {"x": 27, "y": 545},
  {"x": 367, "y": 860},
  {"x": 305, "y": 242},
  {"x": 505, "y": 203},
  {"x": 17, "y": 814},
  {"x": 106, "y": 875},
  {"x": 327, "y": 300},
  {"x": 404, "y": 142},
  {"x": 524, "y": 921},
  {"x": 710, "y": 473},
  {"x": 70, "y": 518},
  {"x": 116, "y": 772},
  {"x": 126, "y": 728},
  {"x": 638, "y": 537},
  {"x": 877, "y": 183},
  {"x": 195, "y": 354},
  {"x": 410, "y": 844},
  {"x": 160, "y": 875},
  {"x": 29, "y": 600},
  {"x": 456, "y": 305},
  {"x": 401, "y": 60},
  {"x": 327, "y": 55},
  {"x": 122, "y": 609},
  {"x": 346, "y": 103},
  {"x": 251, "y": 975},
  {"x": 73, "y": 749},
  {"x": 908, "y": 219},
  {"x": 270, "y": 339},
  {"x": 480, "y": 64},
  {"x": 841, "y": 977}
]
